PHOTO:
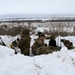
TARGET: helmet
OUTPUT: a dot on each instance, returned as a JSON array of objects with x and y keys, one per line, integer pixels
[
  {"x": 66, "y": 42},
  {"x": 42, "y": 35},
  {"x": 24, "y": 32}
]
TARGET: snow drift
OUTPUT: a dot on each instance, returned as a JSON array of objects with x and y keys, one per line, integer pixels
[{"x": 57, "y": 63}]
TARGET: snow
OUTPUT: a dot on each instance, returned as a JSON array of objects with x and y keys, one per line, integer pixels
[
  {"x": 5, "y": 52},
  {"x": 57, "y": 63},
  {"x": 39, "y": 29}
]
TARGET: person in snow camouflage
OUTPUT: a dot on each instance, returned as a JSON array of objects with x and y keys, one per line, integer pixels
[{"x": 24, "y": 42}]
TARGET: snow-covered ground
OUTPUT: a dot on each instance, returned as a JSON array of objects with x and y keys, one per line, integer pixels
[{"x": 56, "y": 63}]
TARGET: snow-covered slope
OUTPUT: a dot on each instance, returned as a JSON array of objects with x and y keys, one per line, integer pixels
[
  {"x": 56, "y": 63},
  {"x": 51, "y": 64},
  {"x": 6, "y": 52}
]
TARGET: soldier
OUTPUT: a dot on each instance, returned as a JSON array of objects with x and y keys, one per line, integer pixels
[
  {"x": 39, "y": 47},
  {"x": 24, "y": 42},
  {"x": 52, "y": 41},
  {"x": 68, "y": 44},
  {"x": 14, "y": 43},
  {"x": 52, "y": 44},
  {"x": 15, "y": 46}
]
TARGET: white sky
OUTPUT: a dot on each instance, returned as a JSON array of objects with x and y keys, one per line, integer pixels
[{"x": 37, "y": 7}]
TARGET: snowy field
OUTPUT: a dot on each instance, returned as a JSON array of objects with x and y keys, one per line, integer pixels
[{"x": 56, "y": 63}]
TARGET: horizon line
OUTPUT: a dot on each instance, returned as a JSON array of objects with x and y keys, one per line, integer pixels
[{"x": 36, "y": 16}]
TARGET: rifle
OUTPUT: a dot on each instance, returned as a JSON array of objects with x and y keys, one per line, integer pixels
[{"x": 2, "y": 43}]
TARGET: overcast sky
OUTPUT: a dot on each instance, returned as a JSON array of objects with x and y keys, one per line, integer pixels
[{"x": 37, "y": 7}]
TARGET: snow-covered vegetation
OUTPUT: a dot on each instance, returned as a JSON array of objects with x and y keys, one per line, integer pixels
[{"x": 50, "y": 26}]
